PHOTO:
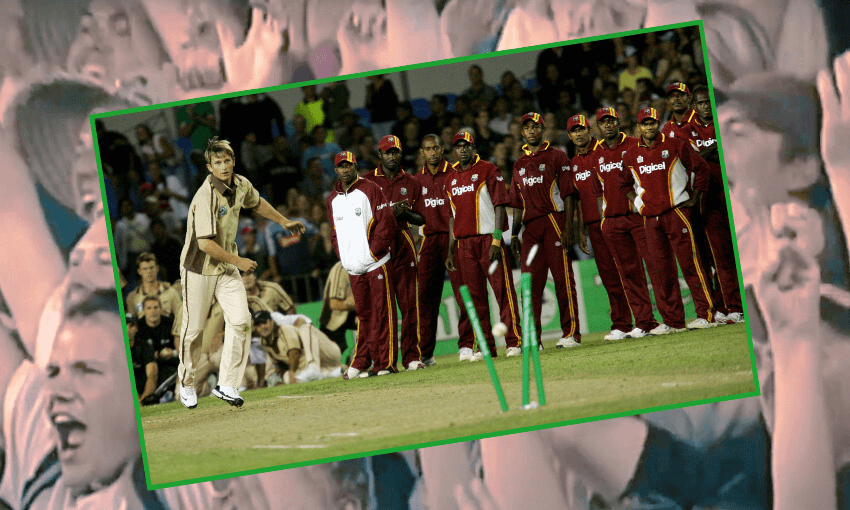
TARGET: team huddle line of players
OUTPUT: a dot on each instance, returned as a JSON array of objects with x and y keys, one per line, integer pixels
[
  {"x": 645, "y": 204},
  {"x": 651, "y": 201}
]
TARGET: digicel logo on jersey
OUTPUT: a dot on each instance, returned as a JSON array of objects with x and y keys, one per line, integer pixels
[
  {"x": 462, "y": 189},
  {"x": 706, "y": 143},
  {"x": 611, "y": 166},
  {"x": 648, "y": 169},
  {"x": 434, "y": 202},
  {"x": 580, "y": 176},
  {"x": 531, "y": 181}
]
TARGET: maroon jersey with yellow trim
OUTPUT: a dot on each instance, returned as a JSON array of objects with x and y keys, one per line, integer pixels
[
  {"x": 435, "y": 205},
  {"x": 673, "y": 129},
  {"x": 584, "y": 176},
  {"x": 541, "y": 181},
  {"x": 701, "y": 137},
  {"x": 474, "y": 194},
  {"x": 609, "y": 168},
  {"x": 404, "y": 186},
  {"x": 660, "y": 175}
]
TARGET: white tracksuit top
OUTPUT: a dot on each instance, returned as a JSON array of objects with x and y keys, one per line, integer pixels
[{"x": 363, "y": 226}]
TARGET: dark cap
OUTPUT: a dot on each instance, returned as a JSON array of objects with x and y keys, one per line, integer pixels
[
  {"x": 131, "y": 318},
  {"x": 261, "y": 316}
]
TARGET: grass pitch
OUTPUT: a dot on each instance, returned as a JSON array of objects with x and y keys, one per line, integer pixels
[{"x": 325, "y": 419}]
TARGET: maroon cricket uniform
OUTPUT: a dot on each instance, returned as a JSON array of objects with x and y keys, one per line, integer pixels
[
  {"x": 660, "y": 177},
  {"x": 403, "y": 262},
  {"x": 431, "y": 268},
  {"x": 623, "y": 231},
  {"x": 584, "y": 173},
  {"x": 680, "y": 130},
  {"x": 474, "y": 194},
  {"x": 539, "y": 185},
  {"x": 362, "y": 235},
  {"x": 715, "y": 220}
]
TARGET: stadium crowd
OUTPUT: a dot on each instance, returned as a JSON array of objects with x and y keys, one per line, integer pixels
[{"x": 150, "y": 179}]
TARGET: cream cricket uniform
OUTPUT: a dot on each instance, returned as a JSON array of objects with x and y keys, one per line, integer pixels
[
  {"x": 214, "y": 215},
  {"x": 168, "y": 297},
  {"x": 338, "y": 286},
  {"x": 316, "y": 348}
]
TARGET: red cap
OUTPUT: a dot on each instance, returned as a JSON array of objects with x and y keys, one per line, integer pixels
[
  {"x": 247, "y": 229},
  {"x": 389, "y": 142},
  {"x": 577, "y": 120},
  {"x": 344, "y": 156},
  {"x": 466, "y": 136},
  {"x": 648, "y": 113},
  {"x": 146, "y": 187},
  {"x": 533, "y": 117},
  {"x": 606, "y": 111},
  {"x": 681, "y": 87}
]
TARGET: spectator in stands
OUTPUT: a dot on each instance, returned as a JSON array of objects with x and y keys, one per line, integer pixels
[
  {"x": 156, "y": 148},
  {"x": 280, "y": 173},
  {"x": 166, "y": 248},
  {"x": 311, "y": 109},
  {"x": 440, "y": 115},
  {"x": 145, "y": 369},
  {"x": 403, "y": 114},
  {"x": 155, "y": 330},
  {"x": 170, "y": 190},
  {"x": 501, "y": 116},
  {"x": 381, "y": 101},
  {"x": 197, "y": 124},
  {"x": 349, "y": 132},
  {"x": 506, "y": 81},
  {"x": 411, "y": 138},
  {"x": 673, "y": 64},
  {"x": 522, "y": 101},
  {"x": 256, "y": 250},
  {"x": 604, "y": 78},
  {"x": 296, "y": 130},
  {"x": 323, "y": 150},
  {"x": 485, "y": 138},
  {"x": 132, "y": 236},
  {"x": 551, "y": 84},
  {"x": 335, "y": 97},
  {"x": 289, "y": 254},
  {"x": 501, "y": 159},
  {"x": 367, "y": 154},
  {"x": 315, "y": 182},
  {"x": 479, "y": 93},
  {"x": 633, "y": 71}
]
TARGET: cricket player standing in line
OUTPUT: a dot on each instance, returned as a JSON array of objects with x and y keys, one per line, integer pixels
[
  {"x": 658, "y": 185},
  {"x": 210, "y": 267},
  {"x": 679, "y": 99},
  {"x": 403, "y": 191},
  {"x": 364, "y": 230},
  {"x": 715, "y": 216},
  {"x": 431, "y": 269},
  {"x": 623, "y": 229},
  {"x": 478, "y": 196},
  {"x": 542, "y": 199},
  {"x": 583, "y": 174}
]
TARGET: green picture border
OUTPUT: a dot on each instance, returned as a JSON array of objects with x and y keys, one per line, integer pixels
[{"x": 470, "y": 58}]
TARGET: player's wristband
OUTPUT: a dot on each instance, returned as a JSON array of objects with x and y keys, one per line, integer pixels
[{"x": 497, "y": 237}]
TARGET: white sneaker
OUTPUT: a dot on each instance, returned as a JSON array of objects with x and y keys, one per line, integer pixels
[
  {"x": 720, "y": 318},
  {"x": 334, "y": 373},
  {"x": 513, "y": 351},
  {"x": 429, "y": 362},
  {"x": 735, "y": 318},
  {"x": 478, "y": 356},
  {"x": 636, "y": 333},
  {"x": 415, "y": 365},
  {"x": 466, "y": 354},
  {"x": 385, "y": 372},
  {"x": 310, "y": 373},
  {"x": 351, "y": 373},
  {"x": 616, "y": 334},
  {"x": 700, "y": 324},
  {"x": 188, "y": 397},
  {"x": 567, "y": 342},
  {"x": 662, "y": 329},
  {"x": 229, "y": 395}
]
